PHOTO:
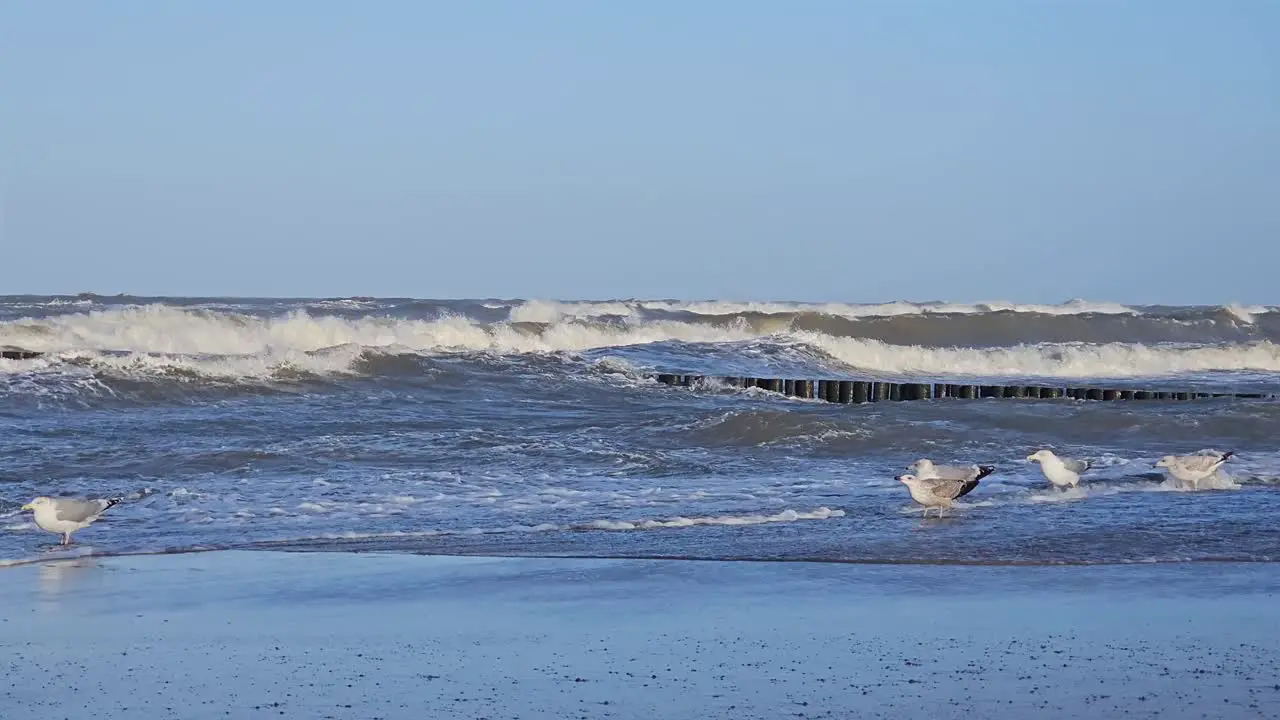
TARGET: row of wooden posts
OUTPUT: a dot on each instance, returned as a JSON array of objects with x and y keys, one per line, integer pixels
[{"x": 861, "y": 391}]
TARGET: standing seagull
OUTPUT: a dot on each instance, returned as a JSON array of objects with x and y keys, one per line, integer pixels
[
  {"x": 67, "y": 515},
  {"x": 1062, "y": 472},
  {"x": 926, "y": 470},
  {"x": 1191, "y": 469},
  {"x": 936, "y": 492}
]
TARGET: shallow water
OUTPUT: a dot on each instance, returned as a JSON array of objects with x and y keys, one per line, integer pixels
[{"x": 515, "y": 427}]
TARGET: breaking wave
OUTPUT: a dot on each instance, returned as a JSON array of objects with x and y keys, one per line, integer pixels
[
  {"x": 1051, "y": 360},
  {"x": 191, "y": 343},
  {"x": 162, "y": 329},
  {"x": 892, "y": 309}
]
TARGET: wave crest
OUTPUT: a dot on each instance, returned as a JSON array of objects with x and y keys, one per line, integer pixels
[
  {"x": 1059, "y": 360},
  {"x": 166, "y": 340}
]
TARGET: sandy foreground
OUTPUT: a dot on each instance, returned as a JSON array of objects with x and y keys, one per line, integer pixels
[{"x": 326, "y": 635}]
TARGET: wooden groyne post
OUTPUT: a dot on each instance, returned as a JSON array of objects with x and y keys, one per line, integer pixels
[{"x": 861, "y": 391}]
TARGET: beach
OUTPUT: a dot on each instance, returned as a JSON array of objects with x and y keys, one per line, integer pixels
[
  {"x": 356, "y": 635},
  {"x": 399, "y": 508}
]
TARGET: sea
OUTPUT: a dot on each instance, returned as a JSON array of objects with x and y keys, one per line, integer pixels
[{"x": 519, "y": 427}]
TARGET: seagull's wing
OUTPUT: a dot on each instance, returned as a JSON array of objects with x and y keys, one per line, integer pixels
[
  {"x": 79, "y": 511},
  {"x": 951, "y": 489},
  {"x": 1200, "y": 463},
  {"x": 1077, "y": 466},
  {"x": 955, "y": 472},
  {"x": 966, "y": 488}
]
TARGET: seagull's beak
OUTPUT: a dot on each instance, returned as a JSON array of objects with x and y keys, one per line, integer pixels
[
  {"x": 28, "y": 506},
  {"x": 1031, "y": 457}
]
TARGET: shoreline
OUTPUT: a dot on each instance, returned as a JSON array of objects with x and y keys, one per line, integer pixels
[
  {"x": 360, "y": 635},
  {"x": 297, "y": 548}
]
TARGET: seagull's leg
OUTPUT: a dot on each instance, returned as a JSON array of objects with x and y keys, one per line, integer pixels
[{"x": 66, "y": 538}]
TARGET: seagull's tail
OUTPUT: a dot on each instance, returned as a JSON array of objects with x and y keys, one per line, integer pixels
[
  {"x": 1227, "y": 455},
  {"x": 985, "y": 470}
]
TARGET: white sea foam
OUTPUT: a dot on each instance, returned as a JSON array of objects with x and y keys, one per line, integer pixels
[
  {"x": 345, "y": 303},
  {"x": 1067, "y": 495},
  {"x": 69, "y": 553},
  {"x": 849, "y": 310},
  {"x": 785, "y": 516},
  {"x": 159, "y": 339},
  {"x": 1217, "y": 481},
  {"x": 1048, "y": 360},
  {"x": 958, "y": 505},
  {"x": 617, "y": 365},
  {"x": 1247, "y": 314},
  {"x": 821, "y": 513},
  {"x": 550, "y": 311},
  {"x": 164, "y": 329}
]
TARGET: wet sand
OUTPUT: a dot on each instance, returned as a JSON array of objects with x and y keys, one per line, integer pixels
[{"x": 316, "y": 635}]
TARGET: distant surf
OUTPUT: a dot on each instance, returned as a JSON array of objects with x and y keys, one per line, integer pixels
[{"x": 93, "y": 342}]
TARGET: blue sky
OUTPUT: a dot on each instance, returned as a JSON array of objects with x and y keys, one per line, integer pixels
[{"x": 842, "y": 151}]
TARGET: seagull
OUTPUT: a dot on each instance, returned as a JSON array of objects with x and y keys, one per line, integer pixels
[
  {"x": 1062, "y": 472},
  {"x": 1191, "y": 469},
  {"x": 926, "y": 470},
  {"x": 936, "y": 492},
  {"x": 67, "y": 515}
]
